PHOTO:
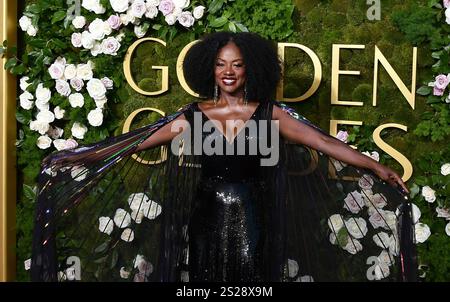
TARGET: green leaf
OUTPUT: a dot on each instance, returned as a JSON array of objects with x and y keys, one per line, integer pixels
[
  {"x": 156, "y": 26},
  {"x": 215, "y": 6},
  {"x": 433, "y": 99},
  {"x": 219, "y": 22},
  {"x": 414, "y": 190},
  {"x": 29, "y": 192},
  {"x": 10, "y": 63},
  {"x": 424, "y": 90},
  {"x": 102, "y": 247},
  {"x": 114, "y": 258},
  {"x": 58, "y": 16},
  {"x": 34, "y": 8},
  {"x": 241, "y": 27},
  {"x": 232, "y": 27}
]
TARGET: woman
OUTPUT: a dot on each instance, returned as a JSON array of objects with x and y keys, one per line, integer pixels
[{"x": 248, "y": 192}]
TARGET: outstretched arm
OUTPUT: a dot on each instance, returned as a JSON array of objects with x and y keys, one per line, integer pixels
[
  {"x": 165, "y": 134},
  {"x": 297, "y": 132}
]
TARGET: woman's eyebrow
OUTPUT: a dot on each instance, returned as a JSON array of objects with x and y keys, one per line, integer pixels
[{"x": 240, "y": 59}]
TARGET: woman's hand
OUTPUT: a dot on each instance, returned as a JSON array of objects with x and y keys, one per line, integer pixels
[{"x": 390, "y": 176}]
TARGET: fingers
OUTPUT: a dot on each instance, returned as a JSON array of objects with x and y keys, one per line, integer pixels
[{"x": 398, "y": 181}]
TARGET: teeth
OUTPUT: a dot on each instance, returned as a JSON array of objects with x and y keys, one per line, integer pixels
[{"x": 228, "y": 81}]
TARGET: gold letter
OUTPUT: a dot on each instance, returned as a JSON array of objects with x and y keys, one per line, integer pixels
[
  {"x": 409, "y": 95},
  {"x": 126, "y": 128},
  {"x": 406, "y": 164},
  {"x": 129, "y": 77},
  {"x": 180, "y": 74},
  {"x": 335, "y": 72},
  {"x": 317, "y": 72}
]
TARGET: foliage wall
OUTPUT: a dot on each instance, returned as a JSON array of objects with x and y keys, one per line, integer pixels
[{"x": 316, "y": 24}]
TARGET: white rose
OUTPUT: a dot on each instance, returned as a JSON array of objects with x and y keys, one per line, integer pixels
[
  {"x": 429, "y": 194},
  {"x": 186, "y": 19},
  {"x": 137, "y": 216},
  {"x": 32, "y": 31},
  {"x": 181, "y": 3},
  {"x": 27, "y": 264},
  {"x": 171, "y": 19},
  {"x": 365, "y": 182},
  {"x": 24, "y": 23},
  {"x": 84, "y": 72},
  {"x": 377, "y": 219},
  {"x": 123, "y": 273},
  {"x": 338, "y": 165},
  {"x": 94, "y": 6},
  {"x": 105, "y": 225},
  {"x": 41, "y": 105},
  {"x": 25, "y": 100},
  {"x": 79, "y": 22},
  {"x": 141, "y": 30},
  {"x": 39, "y": 126},
  {"x": 63, "y": 87},
  {"x": 122, "y": 218},
  {"x": 107, "y": 82},
  {"x": 96, "y": 88},
  {"x": 96, "y": 49},
  {"x": 97, "y": 29},
  {"x": 87, "y": 41},
  {"x": 77, "y": 40},
  {"x": 119, "y": 5},
  {"x": 152, "y": 211},
  {"x": 61, "y": 60},
  {"x": 305, "y": 278},
  {"x": 422, "y": 232},
  {"x": 447, "y": 229},
  {"x": 138, "y": 260},
  {"x": 127, "y": 18},
  {"x": 415, "y": 213},
  {"x": 138, "y": 8},
  {"x": 198, "y": 12},
  {"x": 377, "y": 200},
  {"x": 153, "y": 2},
  {"x": 44, "y": 142},
  {"x": 445, "y": 169},
  {"x": 59, "y": 113},
  {"x": 45, "y": 116},
  {"x": 107, "y": 28},
  {"x": 357, "y": 228},
  {"x": 78, "y": 130},
  {"x": 136, "y": 201},
  {"x": 100, "y": 103},
  {"x": 292, "y": 268},
  {"x": 76, "y": 100},
  {"x": 77, "y": 84},
  {"x": 62, "y": 144},
  {"x": 353, "y": 246},
  {"x": 24, "y": 83},
  {"x": 95, "y": 117},
  {"x": 354, "y": 202},
  {"x": 55, "y": 132},
  {"x": 114, "y": 22},
  {"x": 382, "y": 240},
  {"x": 43, "y": 94},
  {"x": 110, "y": 46},
  {"x": 152, "y": 11},
  {"x": 332, "y": 238},
  {"x": 70, "y": 72},
  {"x": 385, "y": 257},
  {"x": 56, "y": 71},
  {"x": 381, "y": 271},
  {"x": 335, "y": 223},
  {"x": 78, "y": 173},
  {"x": 443, "y": 212}
]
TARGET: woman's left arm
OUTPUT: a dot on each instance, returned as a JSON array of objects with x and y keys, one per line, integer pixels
[{"x": 297, "y": 132}]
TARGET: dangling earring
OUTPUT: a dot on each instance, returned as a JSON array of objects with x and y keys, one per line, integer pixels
[
  {"x": 216, "y": 94},
  {"x": 245, "y": 95}
]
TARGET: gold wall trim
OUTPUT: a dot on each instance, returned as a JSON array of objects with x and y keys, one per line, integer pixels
[{"x": 8, "y": 31}]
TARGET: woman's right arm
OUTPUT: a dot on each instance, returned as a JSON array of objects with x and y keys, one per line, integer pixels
[{"x": 165, "y": 134}]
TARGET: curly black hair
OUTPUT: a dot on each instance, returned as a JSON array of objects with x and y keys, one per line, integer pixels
[{"x": 263, "y": 68}]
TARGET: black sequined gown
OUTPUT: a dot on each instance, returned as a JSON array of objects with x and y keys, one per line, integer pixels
[{"x": 226, "y": 232}]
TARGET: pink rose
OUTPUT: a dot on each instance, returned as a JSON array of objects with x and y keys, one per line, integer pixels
[
  {"x": 446, "y": 3},
  {"x": 441, "y": 81},
  {"x": 76, "y": 40},
  {"x": 114, "y": 21},
  {"x": 437, "y": 91},
  {"x": 342, "y": 136},
  {"x": 166, "y": 7},
  {"x": 77, "y": 83}
]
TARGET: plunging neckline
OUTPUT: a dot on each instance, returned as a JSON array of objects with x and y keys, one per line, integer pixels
[{"x": 238, "y": 132}]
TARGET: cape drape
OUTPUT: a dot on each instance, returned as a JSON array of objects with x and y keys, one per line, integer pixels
[{"x": 102, "y": 215}]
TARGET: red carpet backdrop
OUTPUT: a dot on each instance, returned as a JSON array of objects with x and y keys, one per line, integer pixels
[{"x": 374, "y": 73}]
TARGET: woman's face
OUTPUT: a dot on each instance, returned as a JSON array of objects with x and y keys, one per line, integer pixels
[{"x": 230, "y": 69}]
